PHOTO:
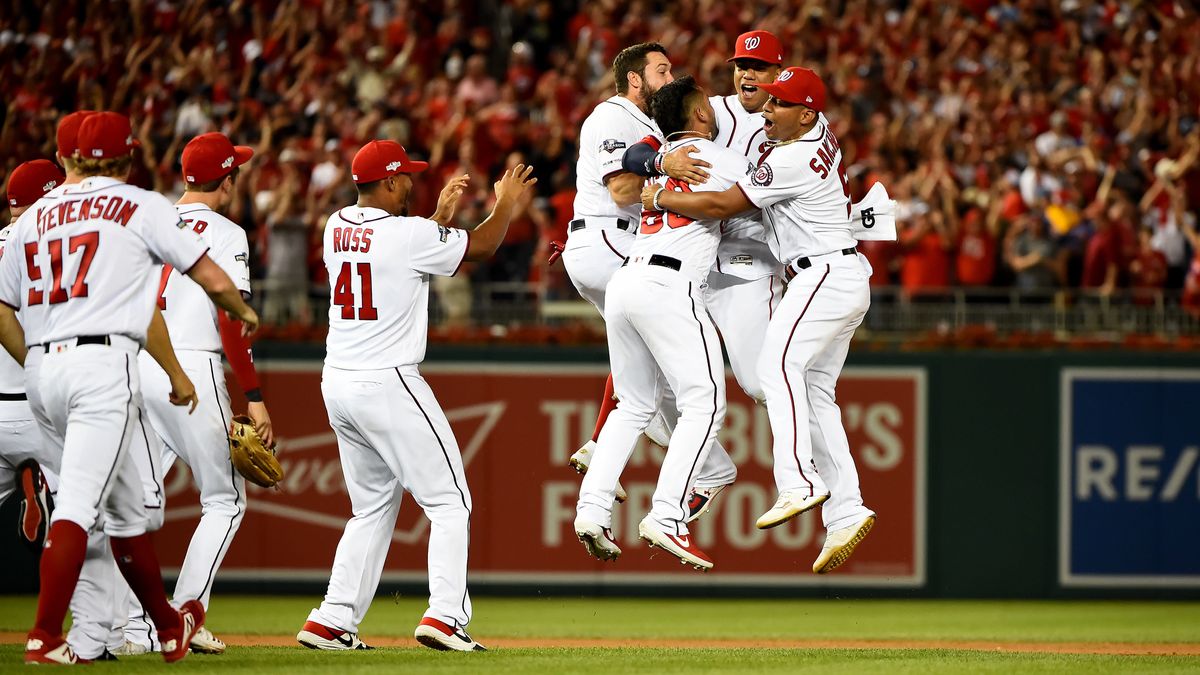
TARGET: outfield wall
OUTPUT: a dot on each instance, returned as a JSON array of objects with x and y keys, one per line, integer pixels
[{"x": 994, "y": 474}]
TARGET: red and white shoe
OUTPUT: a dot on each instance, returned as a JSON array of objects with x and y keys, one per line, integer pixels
[
  {"x": 40, "y": 648},
  {"x": 35, "y": 507},
  {"x": 319, "y": 636},
  {"x": 681, "y": 546},
  {"x": 191, "y": 619},
  {"x": 597, "y": 540},
  {"x": 442, "y": 637},
  {"x": 701, "y": 501}
]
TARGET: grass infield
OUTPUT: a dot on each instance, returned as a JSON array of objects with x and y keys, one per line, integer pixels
[{"x": 699, "y": 636}]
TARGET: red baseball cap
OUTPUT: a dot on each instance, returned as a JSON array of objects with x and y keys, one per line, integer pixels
[
  {"x": 760, "y": 45},
  {"x": 68, "y": 132},
  {"x": 379, "y": 159},
  {"x": 31, "y": 180},
  {"x": 798, "y": 85},
  {"x": 211, "y": 156},
  {"x": 105, "y": 135}
]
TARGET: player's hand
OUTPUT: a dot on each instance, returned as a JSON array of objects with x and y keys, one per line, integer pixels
[
  {"x": 257, "y": 411},
  {"x": 514, "y": 182},
  {"x": 648, "y": 191},
  {"x": 680, "y": 165},
  {"x": 448, "y": 200},
  {"x": 183, "y": 392},
  {"x": 249, "y": 319}
]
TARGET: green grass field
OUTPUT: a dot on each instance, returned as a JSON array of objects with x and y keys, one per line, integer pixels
[{"x": 683, "y": 626}]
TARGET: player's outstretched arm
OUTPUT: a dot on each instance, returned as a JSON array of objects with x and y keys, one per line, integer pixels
[
  {"x": 697, "y": 205},
  {"x": 447, "y": 202},
  {"x": 158, "y": 346},
  {"x": 220, "y": 288},
  {"x": 486, "y": 238},
  {"x": 11, "y": 334}
]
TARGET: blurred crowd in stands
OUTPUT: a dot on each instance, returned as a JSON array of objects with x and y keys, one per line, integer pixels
[{"x": 1032, "y": 145}]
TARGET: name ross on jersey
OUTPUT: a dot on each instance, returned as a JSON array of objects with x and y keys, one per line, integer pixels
[
  {"x": 352, "y": 239},
  {"x": 106, "y": 207},
  {"x": 825, "y": 154}
]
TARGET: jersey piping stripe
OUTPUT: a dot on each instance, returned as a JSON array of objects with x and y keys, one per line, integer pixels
[
  {"x": 771, "y": 301},
  {"x": 792, "y": 396},
  {"x": 604, "y": 236},
  {"x": 733, "y": 131},
  {"x": 236, "y": 518},
  {"x": 149, "y": 450},
  {"x": 198, "y": 259},
  {"x": 360, "y": 222},
  {"x": 124, "y": 430},
  {"x": 453, "y": 476},
  {"x": 820, "y": 137},
  {"x": 73, "y": 193},
  {"x": 750, "y": 143},
  {"x": 630, "y": 113},
  {"x": 712, "y": 420},
  {"x": 466, "y": 249}
]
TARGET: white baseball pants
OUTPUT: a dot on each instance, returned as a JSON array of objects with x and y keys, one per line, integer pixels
[
  {"x": 394, "y": 438},
  {"x": 591, "y": 256},
  {"x": 802, "y": 357},
  {"x": 742, "y": 310},
  {"x": 20, "y": 440},
  {"x": 657, "y": 327}
]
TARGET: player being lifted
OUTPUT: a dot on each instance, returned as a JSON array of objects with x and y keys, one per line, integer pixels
[
  {"x": 801, "y": 187},
  {"x": 392, "y": 435},
  {"x": 658, "y": 325}
]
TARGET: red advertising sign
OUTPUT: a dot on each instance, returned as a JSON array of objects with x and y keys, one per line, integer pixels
[{"x": 517, "y": 424}]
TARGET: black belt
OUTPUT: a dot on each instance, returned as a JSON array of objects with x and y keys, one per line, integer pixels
[
  {"x": 580, "y": 223},
  {"x": 805, "y": 263},
  {"x": 13, "y": 397},
  {"x": 660, "y": 261},
  {"x": 83, "y": 340}
]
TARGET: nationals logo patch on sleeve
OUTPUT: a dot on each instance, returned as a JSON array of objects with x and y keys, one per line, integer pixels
[{"x": 762, "y": 176}]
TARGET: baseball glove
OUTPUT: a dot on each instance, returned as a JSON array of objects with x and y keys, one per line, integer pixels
[{"x": 254, "y": 460}]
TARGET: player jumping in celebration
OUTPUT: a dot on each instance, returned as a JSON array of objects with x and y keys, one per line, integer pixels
[
  {"x": 82, "y": 248},
  {"x": 392, "y": 435},
  {"x": 801, "y": 187},
  {"x": 657, "y": 324},
  {"x": 22, "y": 452},
  {"x": 606, "y": 201},
  {"x": 200, "y": 332},
  {"x": 746, "y": 284}
]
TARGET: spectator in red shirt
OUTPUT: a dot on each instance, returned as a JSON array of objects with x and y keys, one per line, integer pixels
[
  {"x": 1147, "y": 270},
  {"x": 925, "y": 246},
  {"x": 975, "y": 252},
  {"x": 1102, "y": 257}
]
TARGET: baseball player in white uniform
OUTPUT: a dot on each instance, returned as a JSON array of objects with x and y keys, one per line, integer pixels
[
  {"x": 23, "y": 456},
  {"x": 801, "y": 187},
  {"x": 745, "y": 285},
  {"x": 200, "y": 437},
  {"x": 392, "y": 435},
  {"x": 82, "y": 247},
  {"x": 657, "y": 324}
]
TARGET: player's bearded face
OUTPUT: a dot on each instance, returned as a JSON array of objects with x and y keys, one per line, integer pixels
[{"x": 655, "y": 76}]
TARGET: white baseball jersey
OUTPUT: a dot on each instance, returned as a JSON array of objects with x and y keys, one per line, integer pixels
[
  {"x": 743, "y": 251},
  {"x": 668, "y": 234},
  {"x": 802, "y": 190},
  {"x": 190, "y": 314},
  {"x": 379, "y": 267},
  {"x": 89, "y": 257},
  {"x": 12, "y": 375},
  {"x": 613, "y": 126}
]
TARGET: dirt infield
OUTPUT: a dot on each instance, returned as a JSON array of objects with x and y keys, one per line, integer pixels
[{"x": 1107, "y": 648}]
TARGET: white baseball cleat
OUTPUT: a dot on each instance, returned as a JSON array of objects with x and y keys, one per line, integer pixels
[
  {"x": 657, "y": 431},
  {"x": 207, "y": 643},
  {"x": 131, "y": 648},
  {"x": 840, "y": 544},
  {"x": 790, "y": 504},
  {"x": 442, "y": 637},
  {"x": 583, "y": 457},
  {"x": 701, "y": 500},
  {"x": 319, "y": 636},
  {"x": 598, "y": 540},
  {"x": 681, "y": 546}
]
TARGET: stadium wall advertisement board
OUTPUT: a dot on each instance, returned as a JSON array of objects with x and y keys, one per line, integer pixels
[
  {"x": 1130, "y": 478},
  {"x": 517, "y": 424}
]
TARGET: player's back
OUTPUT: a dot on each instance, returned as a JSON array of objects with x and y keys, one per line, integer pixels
[
  {"x": 693, "y": 242},
  {"x": 12, "y": 375},
  {"x": 90, "y": 266},
  {"x": 379, "y": 267},
  {"x": 190, "y": 314}
]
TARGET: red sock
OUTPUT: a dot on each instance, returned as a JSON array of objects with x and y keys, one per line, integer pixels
[
  {"x": 607, "y": 405},
  {"x": 59, "y": 570},
  {"x": 139, "y": 565}
]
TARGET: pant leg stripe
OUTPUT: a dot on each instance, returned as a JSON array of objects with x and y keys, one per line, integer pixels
[
  {"x": 791, "y": 395},
  {"x": 449, "y": 466},
  {"x": 124, "y": 427},
  {"x": 712, "y": 420},
  {"x": 229, "y": 531}
]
